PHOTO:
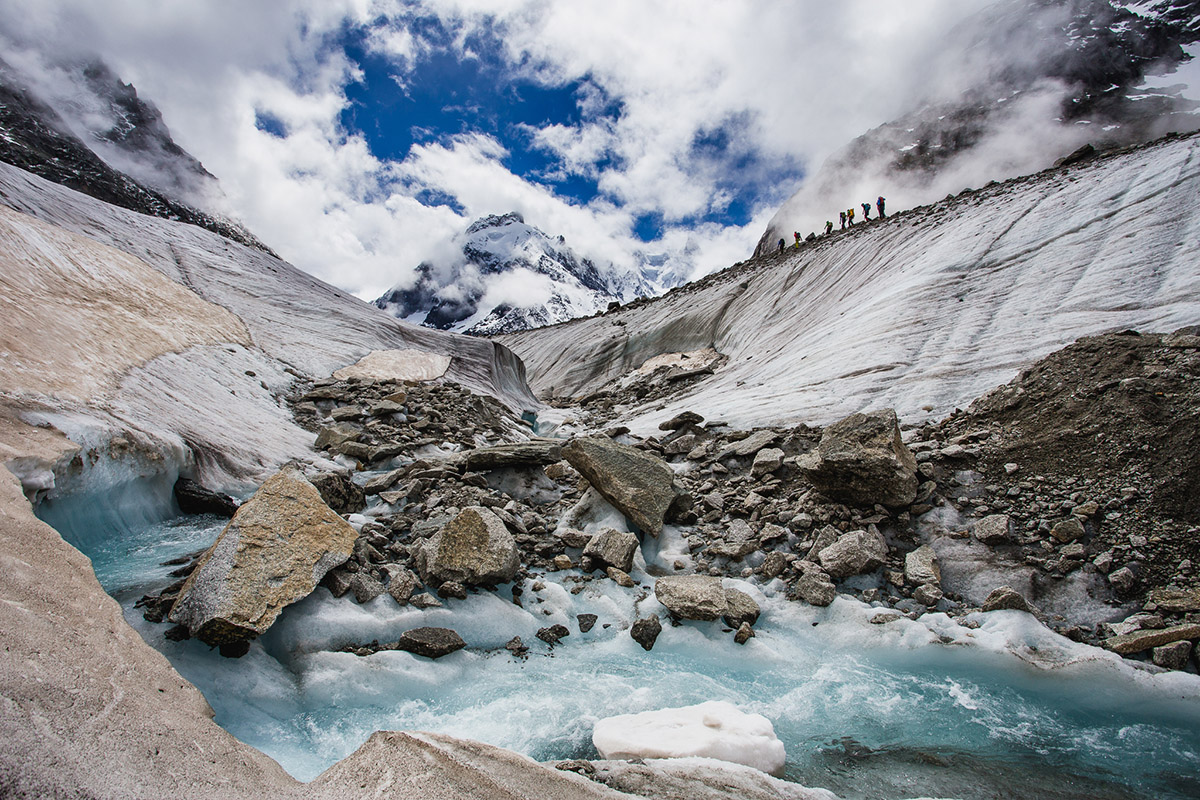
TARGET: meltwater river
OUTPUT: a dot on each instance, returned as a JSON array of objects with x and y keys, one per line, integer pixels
[{"x": 906, "y": 709}]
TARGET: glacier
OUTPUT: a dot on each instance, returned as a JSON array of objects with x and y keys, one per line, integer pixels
[{"x": 923, "y": 311}]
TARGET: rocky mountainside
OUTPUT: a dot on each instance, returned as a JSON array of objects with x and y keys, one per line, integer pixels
[
  {"x": 1044, "y": 78},
  {"x": 511, "y": 277},
  {"x": 124, "y": 155}
]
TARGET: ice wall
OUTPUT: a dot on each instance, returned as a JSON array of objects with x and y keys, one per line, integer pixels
[{"x": 923, "y": 311}]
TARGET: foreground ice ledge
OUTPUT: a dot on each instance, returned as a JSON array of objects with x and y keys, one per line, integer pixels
[{"x": 715, "y": 729}]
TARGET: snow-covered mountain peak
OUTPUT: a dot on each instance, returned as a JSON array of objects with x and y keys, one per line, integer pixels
[{"x": 510, "y": 276}]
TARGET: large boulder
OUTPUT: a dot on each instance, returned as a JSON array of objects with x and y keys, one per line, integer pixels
[
  {"x": 700, "y": 597},
  {"x": 274, "y": 551},
  {"x": 610, "y": 548},
  {"x": 475, "y": 548},
  {"x": 921, "y": 566},
  {"x": 639, "y": 485},
  {"x": 861, "y": 461},
  {"x": 854, "y": 553}
]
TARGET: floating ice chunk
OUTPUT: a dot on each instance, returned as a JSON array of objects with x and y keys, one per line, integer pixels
[
  {"x": 399, "y": 365},
  {"x": 715, "y": 729}
]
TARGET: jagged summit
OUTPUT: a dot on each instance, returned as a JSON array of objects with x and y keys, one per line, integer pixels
[
  {"x": 102, "y": 139},
  {"x": 511, "y": 276}
]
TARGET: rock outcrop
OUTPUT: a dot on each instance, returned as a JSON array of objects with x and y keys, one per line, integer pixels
[
  {"x": 862, "y": 461},
  {"x": 640, "y": 486},
  {"x": 274, "y": 551}
]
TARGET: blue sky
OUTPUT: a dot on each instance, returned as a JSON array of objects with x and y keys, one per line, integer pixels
[{"x": 358, "y": 137}]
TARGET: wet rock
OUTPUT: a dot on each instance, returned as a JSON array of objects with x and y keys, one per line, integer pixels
[
  {"x": 766, "y": 461},
  {"x": 1145, "y": 640},
  {"x": 381, "y": 483},
  {"x": 571, "y": 537},
  {"x": 698, "y": 597},
  {"x": 1006, "y": 598},
  {"x": 517, "y": 647},
  {"x": 744, "y": 633},
  {"x": 862, "y": 461},
  {"x": 814, "y": 588},
  {"x": 645, "y": 632},
  {"x": 1172, "y": 656},
  {"x": 993, "y": 530},
  {"x": 552, "y": 634},
  {"x": 365, "y": 587},
  {"x": 1067, "y": 530},
  {"x": 338, "y": 580},
  {"x": 921, "y": 566},
  {"x": 610, "y": 548},
  {"x": 640, "y": 486},
  {"x": 430, "y": 642},
  {"x": 195, "y": 499},
  {"x": 740, "y": 608},
  {"x": 274, "y": 551},
  {"x": 854, "y": 553},
  {"x": 475, "y": 548},
  {"x": 339, "y": 492},
  {"x": 586, "y": 622}
]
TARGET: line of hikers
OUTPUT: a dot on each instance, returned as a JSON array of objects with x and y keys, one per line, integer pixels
[{"x": 847, "y": 218}]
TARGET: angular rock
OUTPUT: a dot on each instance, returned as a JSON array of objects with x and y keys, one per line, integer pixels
[
  {"x": 681, "y": 420},
  {"x": 766, "y": 461},
  {"x": 534, "y": 452},
  {"x": 862, "y": 461},
  {"x": 825, "y": 537},
  {"x": 645, "y": 632},
  {"x": 475, "y": 548},
  {"x": 337, "y": 434},
  {"x": 401, "y": 583},
  {"x": 381, "y": 483},
  {"x": 748, "y": 446},
  {"x": 339, "y": 492},
  {"x": 274, "y": 551},
  {"x": 610, "y": 548},
  {"x": 854, "y": 553},
  {"x": 773, "y": 565},
  {"x": 365, "y": 587},
  {"x": 1006, "y": 598},
  {"x": 452, "y": 590},
  {"x": 1172, "y": 656},
  {"x": 921, "y": 566},
  {"x": 586, "y": 622},
  {"x": 1122, "y": 579},
  {"x": 195, "y": 499},
  {"x": 699, "y": 597},
  {"x": 1145, "y": 640},
  {"x": 927, "y": 595},
  {"x": 740, "y": 608},
  {"x": 552, "y": 634},
  {"x": 814, "y": 588},
  {"x": 738, "y": 541},
  {"x": 992, "y": 530},
  {"x": 1067, "y": 531},
  {"x": 430, "y": 642},
  {"x": 640, "y": 486},
  {"x": 744, "y": 633},
  {"x": 620, "y": 577},
  {"x": 1175, "y": 601},
  {"x": 425, "y": 600}
]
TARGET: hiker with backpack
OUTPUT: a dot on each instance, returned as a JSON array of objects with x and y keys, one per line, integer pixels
[
  {"x": 842, "y": 217},
  {"x": 828, "y": 227},
  {"x": 879, "y": 204},
  {"x": 866, "y": 211},
  {"x": 850, "y": 217}
]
